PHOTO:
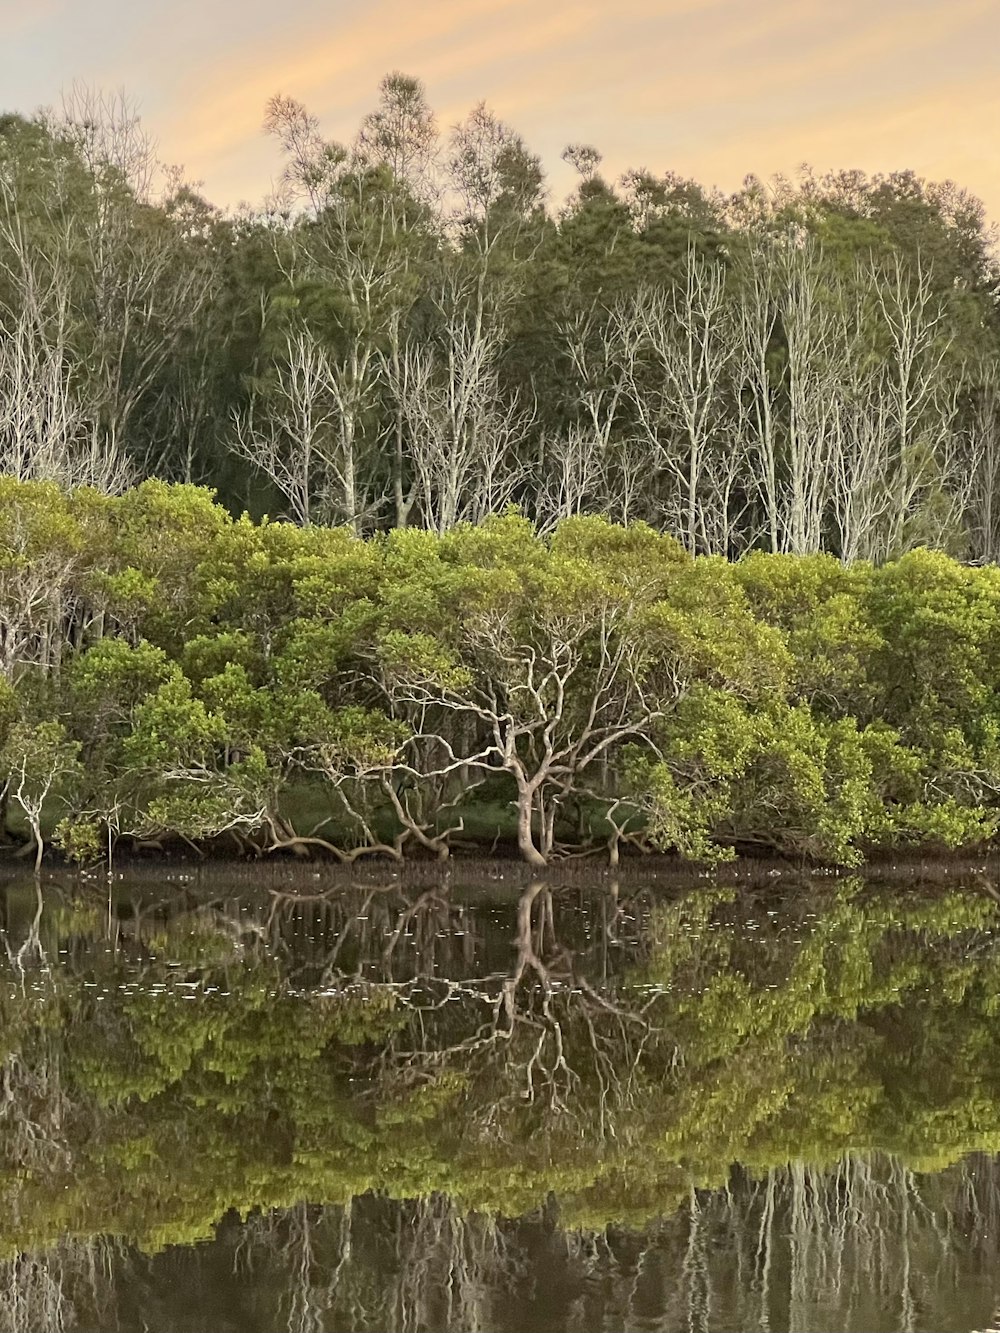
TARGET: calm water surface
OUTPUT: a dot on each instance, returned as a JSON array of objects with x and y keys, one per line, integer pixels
[{"x": 263, "y": 1102}]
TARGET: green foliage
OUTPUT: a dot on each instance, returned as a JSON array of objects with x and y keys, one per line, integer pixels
[
  {"x": 840, "y": 1020},
  {"x": 223, "y": 675}
]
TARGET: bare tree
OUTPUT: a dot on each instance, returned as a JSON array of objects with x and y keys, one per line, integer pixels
[
  {"x": 756, "y": 394},
  {"x": 854, "y": 425},
  {"x": 354, "y": 245},
  {"x": 589, "y": 466},
  {"x": 680, "y": 391},
  {"x": 547, "y": 707},
  {"x": 462, "y": 430},
  {"x": 982, "y": 466},
  {"x": 142, "y": 292},
  {"x": 860, "y": 493},
  {"x": 790, "y": 420},
  {"x": 815, "y": 364},
  {"x": 107, "y": 131},
  {"x": 921, "y": 391},
  {"x": 91, "y": 256},
  {"x": 289, "y": 428},
  {"x": 46, "y": 433},
  {"x": 572, "y": 478}
]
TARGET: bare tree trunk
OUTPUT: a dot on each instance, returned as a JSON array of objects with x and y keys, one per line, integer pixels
[
  {"x": 462, "y": 430},
  {"x": 756, "y": 394},
  {"x": 681, "y": 398},
  {"x": 525, "y": 833},
  {"x": 815, "y": 363},
  {"x": 982, "y": 466}
]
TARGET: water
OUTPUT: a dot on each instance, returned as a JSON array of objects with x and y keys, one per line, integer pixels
[{"x": 273, "y": 1100}]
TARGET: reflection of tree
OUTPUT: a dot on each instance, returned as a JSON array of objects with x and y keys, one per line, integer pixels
[
  {"x": 377, "y": 1263},
  {"x": 473, "y": 1095},
  {"x": 862, "y": 1244},
  {"x": 290, "y": 1234},
  {"x": 32, "y": 1296},
  {"x": 46, "y": 1291},
  {"x": 852, "y": 1245},
  {"x": 542, "y": 1044},
  {"x": 793, "y": 1249},
  {"x": 33, "y": 1104}
]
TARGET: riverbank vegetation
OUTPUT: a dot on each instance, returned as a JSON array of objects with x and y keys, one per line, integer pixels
[
  {"x": 621, "y": 523},
  {"x": 168, "y": 670}
]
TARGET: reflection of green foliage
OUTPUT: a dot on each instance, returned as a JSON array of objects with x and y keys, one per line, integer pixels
[
  {"x": 845, "y": 1021},
  {"x": 785, "y": 1042}
]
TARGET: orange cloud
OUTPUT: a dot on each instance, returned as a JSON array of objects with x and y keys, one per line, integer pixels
[
  {"x": 26, "y": 17},
  {"x": 644, "y": 86},
  {"x": 448, "y": 41},
  {"x": 340, "y": 66},
  {"x": 948, "y": 136},
  {"x": 716, "y": 88}
]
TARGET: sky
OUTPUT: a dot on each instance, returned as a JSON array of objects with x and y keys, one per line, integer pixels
[{"x": 713, "y": 89}]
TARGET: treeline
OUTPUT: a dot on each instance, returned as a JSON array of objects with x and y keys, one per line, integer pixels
[
  {"x": 409, "y": 334},
  {"x": 167, "y": 669}
]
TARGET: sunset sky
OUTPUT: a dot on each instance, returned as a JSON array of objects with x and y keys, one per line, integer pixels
[{"x": 711, "y": 88}]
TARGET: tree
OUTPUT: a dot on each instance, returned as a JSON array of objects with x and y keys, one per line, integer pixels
[
  {"x": 560, "y": 655},
  {"x": 45, "y": 433},
  {"x": 498, "y": 181},
  {"x": 982, "y": 468},
  {"x": 91, "y": 266},
  {"x": 40, "y": 761},
  {"x": 290, "y": 432},
  {"x": 587, "y": 464},
  {"x": 682, "y": 402},
  {"x": 402, "y": 133},
  {"x": 462, "y": 433},
  {"x": 347, "y": 272},
  {"x": 921, "y": 396},
  {"x": 41, "y": 560}
]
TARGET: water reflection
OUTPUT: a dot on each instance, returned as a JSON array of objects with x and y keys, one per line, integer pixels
[{"x": 228, "y": 1106}]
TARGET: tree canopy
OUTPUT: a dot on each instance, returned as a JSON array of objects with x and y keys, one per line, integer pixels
[
  {"x": 409, "y": 332},
  {"x": 167, "y": 670}
]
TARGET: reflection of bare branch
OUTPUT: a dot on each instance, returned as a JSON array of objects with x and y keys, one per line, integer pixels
[
  {"x": 848, "y": 1245},
  {"x": 540, "y": 1039}
]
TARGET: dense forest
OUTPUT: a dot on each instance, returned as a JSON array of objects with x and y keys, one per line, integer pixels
[
  {"x": 409, "y": 333},
  {"x": 406, "y": 512}
]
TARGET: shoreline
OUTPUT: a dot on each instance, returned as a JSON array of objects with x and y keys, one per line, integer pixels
[{"x": 470, "y": 870}]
